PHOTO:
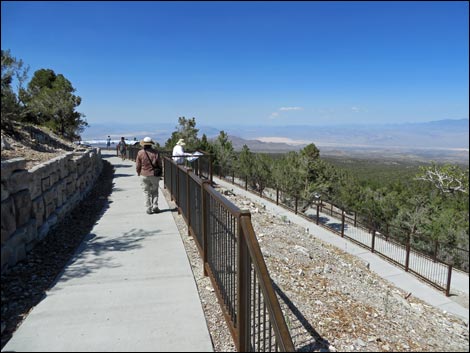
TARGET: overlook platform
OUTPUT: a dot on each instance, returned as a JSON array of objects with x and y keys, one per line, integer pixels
[{"x": 129, "y": 286}]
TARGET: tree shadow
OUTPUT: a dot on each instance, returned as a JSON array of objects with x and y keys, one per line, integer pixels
[
  {"x": 95, "y": 253},
  {"x": 305, "y": 344},
  {"x": 122, "y": 175},
  {"x": 122, "y": 166}
]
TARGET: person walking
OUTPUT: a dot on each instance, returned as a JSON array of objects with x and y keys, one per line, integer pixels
[
  {"x": 149, "y": 167},
  {"x": 108, "y": 143},
  {"x": 122, "y": 147}
]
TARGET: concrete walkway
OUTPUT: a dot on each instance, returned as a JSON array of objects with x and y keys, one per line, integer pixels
[
  {"x": 394, "y": 274},
  {"x": 128, "y": 288}
]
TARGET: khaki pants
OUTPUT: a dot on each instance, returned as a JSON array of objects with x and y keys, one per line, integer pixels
[{"x": 150, "y": 185}]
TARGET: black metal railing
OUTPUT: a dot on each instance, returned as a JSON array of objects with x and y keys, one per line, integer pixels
[{"x": 412, "y": 253}]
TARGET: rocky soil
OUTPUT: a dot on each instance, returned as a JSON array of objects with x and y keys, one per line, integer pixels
[
  {"x": 332, "y": 302},
  {"x": 22, "y": 141}
]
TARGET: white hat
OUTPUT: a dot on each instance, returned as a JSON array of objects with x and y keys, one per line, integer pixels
[
  {"x": 146, "y": 141},
  {"x": 181, "y": 142}
]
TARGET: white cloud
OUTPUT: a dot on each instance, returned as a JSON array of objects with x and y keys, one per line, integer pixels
[
  {"x": 358, "y": 109},
  {"x": 274, "y": 115},
  {"x": 290, "y": 108}
]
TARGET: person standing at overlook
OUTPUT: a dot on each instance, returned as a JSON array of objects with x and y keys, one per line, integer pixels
[
  {"x": 148, "y": 165},
  {"x": 178, "y": 152},
  {"x": 108, "y": 142}
]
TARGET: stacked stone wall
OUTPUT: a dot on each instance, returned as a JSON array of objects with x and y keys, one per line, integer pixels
[{"x": 35, "y": 200}]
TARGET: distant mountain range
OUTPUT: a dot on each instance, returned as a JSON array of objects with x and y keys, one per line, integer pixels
[{"x": 433, "y": 135}]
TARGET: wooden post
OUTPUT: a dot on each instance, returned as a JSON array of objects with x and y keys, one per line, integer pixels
[
  {"x": 277, "y": 196},
  {"x": 296, "y": 203}
]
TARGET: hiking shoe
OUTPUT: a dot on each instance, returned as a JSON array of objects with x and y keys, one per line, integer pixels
[
  {"x": 149, "y": 211},
  {"x": 156, "y": 210}
]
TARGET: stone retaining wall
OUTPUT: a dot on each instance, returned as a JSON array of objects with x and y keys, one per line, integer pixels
[{"x": 34, "y": 200}]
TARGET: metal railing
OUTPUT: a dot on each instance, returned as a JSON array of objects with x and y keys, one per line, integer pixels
[
  {"x": 233, "y": 261},
  {"x": 405, "y": 251}
]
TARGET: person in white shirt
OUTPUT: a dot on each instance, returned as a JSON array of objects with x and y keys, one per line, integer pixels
[{"x": 178, "y": 152}]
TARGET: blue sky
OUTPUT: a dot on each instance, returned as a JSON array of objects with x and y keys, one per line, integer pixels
[{"x": 251, "y": 63}]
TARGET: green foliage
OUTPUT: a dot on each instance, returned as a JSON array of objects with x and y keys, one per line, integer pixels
[
  {"x": 245, "y": 162},
  {"x": 49, "y": 101},
  {"x": 186, "y": 129},
  {"x": 223, "y": 153},
  {"x": 11, "y": 105}
]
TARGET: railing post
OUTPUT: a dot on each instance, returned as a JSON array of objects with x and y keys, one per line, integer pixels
[
  {"x": 355, "y": 219},
  {"x": 277, "y": 196},
  {"x": 342, "y": 221},
  {"x": 246, "y": 182},
  {"x": 373, "y": 241},
  {"x": 449, "y": 277},
  {"x": 204, "y": 226},
  {"x": 243, "y": 286},
  {"x": 436, "y": 244},
  {"x": 296, "y": 204},
  {"x": 318, "y": 213},
  {"x": 210, "y": 169},
  {"x": 177, "y": 198},
  {"x": 188, "y": 208},
  {"x": 408, "y": 248}
]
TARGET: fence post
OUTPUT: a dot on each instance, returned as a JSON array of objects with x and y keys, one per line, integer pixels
[
  {"x": 210, "y": 169},
  {"x": 318, "y": 213},
  {"x": 373, "y": 241},
  {"x": 243, "y": 287},
  {"x": 408, "y": 248},
  {"x": 296, "y": 203},
  {"x": 188, "y": 209},
  {"x": 246, "y": 183},
  {"x": 355, "y": 218},
  {"x": 342, "y": 221},
  {"x": 449, "y": 276},
  {"x": 204, "y": 226},
  {"x": 277, "y": 196},
  {"x": 177, "y": 194},
  {"x": 435, "y": 250},
  {"x": 233, "y": 177}
]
